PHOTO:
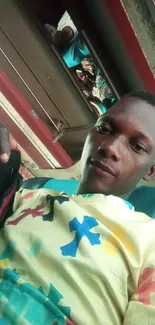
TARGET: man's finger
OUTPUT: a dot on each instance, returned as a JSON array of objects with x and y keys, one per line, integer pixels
[
  {"x": 4, "y": 144},
  {"x": 13, "y": 143}
]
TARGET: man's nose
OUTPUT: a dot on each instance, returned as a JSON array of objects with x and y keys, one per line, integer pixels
[{"x": 110, "y": 148}]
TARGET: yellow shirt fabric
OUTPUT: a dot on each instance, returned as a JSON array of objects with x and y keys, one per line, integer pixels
[{"x": 76, "y": 260}]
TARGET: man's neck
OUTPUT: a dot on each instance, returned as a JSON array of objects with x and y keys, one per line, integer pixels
[{"x": 81, "y": 190}]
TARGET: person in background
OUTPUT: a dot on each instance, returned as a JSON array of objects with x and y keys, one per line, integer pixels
[
  {"x": 86, "y": 258},
  {"x": 65, "y": 32},
  {"x": 68, "y": 40}
]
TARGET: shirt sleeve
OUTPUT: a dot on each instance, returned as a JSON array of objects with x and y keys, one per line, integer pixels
[
  {"x": 9, "y": 184},
  {"x": 141, "y": 308}
]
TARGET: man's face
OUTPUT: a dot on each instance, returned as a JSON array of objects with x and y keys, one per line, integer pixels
[{"x": 120, "y": 149}]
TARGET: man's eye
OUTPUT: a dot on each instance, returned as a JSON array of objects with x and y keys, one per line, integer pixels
[
  {"x": 104, "y": 129},
  {"x": 138, "y": 148}
]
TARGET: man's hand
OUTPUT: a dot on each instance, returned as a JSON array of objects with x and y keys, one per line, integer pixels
[
  {"x": 62, "y": 37},
  {"x": 6, "y": 144}
]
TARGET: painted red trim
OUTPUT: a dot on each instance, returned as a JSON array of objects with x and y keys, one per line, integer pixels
[
  {"x": 24, "y": 109},
  {"x": 22, "y": 140},
  {"x": 131, "y": 43}
]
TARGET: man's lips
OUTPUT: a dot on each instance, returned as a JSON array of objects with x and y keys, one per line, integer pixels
[{"x": 102, "y": 166}]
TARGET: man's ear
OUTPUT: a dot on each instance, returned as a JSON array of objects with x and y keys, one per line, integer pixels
[{"x": 150, "y": 174}]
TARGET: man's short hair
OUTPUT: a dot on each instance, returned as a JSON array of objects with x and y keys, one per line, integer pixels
[{"x": 143, "y": 95}]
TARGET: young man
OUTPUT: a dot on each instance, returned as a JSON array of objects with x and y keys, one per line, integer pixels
[{"x": 86, "y": 258}]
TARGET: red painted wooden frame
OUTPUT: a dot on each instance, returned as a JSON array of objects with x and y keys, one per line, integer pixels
[
  {"x": 24, "y": 109},
  {"x": 131, "y": 43},
  {"x": 23, "y": 141}
]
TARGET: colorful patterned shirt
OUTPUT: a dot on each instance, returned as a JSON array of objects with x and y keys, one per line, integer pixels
[{"x": 86, "y": 259}]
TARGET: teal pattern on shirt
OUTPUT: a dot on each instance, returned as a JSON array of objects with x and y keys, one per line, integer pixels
[{"x": 22, "y": 301}]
